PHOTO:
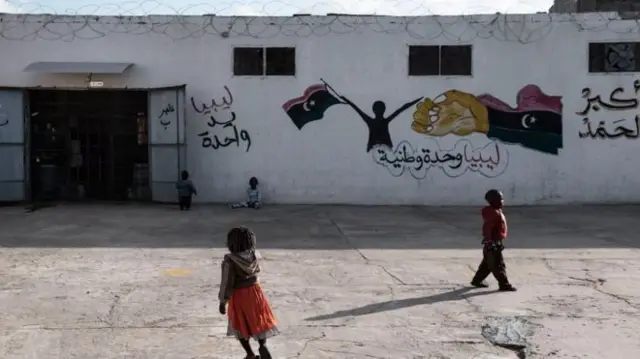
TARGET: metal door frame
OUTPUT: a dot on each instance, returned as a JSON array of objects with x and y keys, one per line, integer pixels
[
  {"x": 26, "y": 140},
  {"x": 28, "y": 191},
  {"x": 182, "y": 109}
]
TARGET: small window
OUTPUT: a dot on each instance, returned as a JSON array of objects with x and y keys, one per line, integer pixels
[
  {"x": 455, "y": 60},
  {"x": 607, "y": 57},
  {"x": 424, "y": 60},
  {"x": 440, "y": 60},
  {"x": 248, "y": 61},
  {"x": 281, "y": 61},
  {"x": 259, "y": 61}
]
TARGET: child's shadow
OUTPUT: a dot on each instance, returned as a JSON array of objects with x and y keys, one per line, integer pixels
[{"x": 458, "y": 294}]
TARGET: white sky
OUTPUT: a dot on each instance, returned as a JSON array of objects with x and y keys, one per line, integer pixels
[
  {"x": 275, "y": 7},
  {"x": 6, "y": 7}
]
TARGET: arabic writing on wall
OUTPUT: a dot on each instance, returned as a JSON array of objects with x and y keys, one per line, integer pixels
[
  {"x": 221, "y": 117},
  {"x": 165, "y": 120},
  {"x": 490, "y": 160},
  {"x": 615, "y": 124}
]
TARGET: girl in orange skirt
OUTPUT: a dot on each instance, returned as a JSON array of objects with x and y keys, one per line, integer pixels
[{"x": 249, "y": 312}]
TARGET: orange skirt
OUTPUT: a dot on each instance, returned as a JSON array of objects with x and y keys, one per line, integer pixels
[{"x": 250, "y": 315}]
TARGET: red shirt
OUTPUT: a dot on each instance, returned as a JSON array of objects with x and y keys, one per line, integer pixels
[{"x": 494, "y": 227}]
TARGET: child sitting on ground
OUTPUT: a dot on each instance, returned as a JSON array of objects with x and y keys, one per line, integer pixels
[{"x": 254, "y": 196}]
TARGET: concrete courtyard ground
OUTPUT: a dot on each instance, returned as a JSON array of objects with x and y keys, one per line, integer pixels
[{"x": 132, "y": 281}]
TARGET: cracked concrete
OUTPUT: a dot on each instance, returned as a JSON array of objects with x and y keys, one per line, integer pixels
[{"x": 130, "y": 281}]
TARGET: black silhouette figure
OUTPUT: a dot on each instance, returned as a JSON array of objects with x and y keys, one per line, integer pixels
[{"x": 379, "y": 125}]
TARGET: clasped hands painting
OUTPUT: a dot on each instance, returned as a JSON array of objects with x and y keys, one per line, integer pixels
[{"x": 535, "y": 123}]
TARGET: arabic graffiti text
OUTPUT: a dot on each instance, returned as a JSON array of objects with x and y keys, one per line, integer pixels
[
  {"x": 164, "y": 118},
  {"x": 221, "y": 120},
  {"x": 225, "y": 103},
  {"x": 612, "y": 122},
  {"x": 490, "y": 160}
]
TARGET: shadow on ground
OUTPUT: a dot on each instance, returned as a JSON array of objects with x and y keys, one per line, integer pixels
[
  {"x": 316, "y": 227},
  {"x": 457, "y": 294}
]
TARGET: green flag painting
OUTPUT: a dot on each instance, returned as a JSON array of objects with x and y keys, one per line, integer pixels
[{"x": 311, "y": 106}]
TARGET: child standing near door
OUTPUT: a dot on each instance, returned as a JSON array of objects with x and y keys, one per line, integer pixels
[{"x": 185, "y": 190}]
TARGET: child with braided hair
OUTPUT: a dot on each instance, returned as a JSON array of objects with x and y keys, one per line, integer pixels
[{"x": 249, "y": 313}]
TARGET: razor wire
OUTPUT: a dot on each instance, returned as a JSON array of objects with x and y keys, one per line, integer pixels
[{"x": 31, "y": 22}]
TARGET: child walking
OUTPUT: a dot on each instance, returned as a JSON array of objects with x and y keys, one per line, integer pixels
[
  {"x": 185, "y": 190},
  {"x": 494, "y": 233},
  {"x": 249, "y": 312},
  {"x": 254, "y": 196}
]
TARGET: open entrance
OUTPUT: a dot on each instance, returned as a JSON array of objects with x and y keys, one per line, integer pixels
[{"x": 89, "y": 145}]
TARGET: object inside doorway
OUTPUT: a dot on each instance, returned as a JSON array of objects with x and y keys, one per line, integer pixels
[{"x": 89, "y": 145}]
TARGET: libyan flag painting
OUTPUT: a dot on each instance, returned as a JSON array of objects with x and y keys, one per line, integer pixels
[{"x": 311, "y": 106}]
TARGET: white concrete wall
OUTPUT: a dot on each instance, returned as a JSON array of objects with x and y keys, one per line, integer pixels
[{"x": 327, "y": 161}]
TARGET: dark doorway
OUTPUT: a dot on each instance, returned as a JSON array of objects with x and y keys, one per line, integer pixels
[{"x": 89, "y": 145}]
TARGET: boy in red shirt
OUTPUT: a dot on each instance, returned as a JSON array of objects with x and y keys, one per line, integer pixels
[{"x": 494, "y": 232}]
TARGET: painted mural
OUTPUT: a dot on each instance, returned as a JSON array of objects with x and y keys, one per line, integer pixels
[
  {"x": 490, "y": 160},
  {"x": 535, "y": 123},
  {"x": 612, "y": 121},
  {"x": 311, "y": 106},
  {"x": 317, "y": 98},
  {"x": 221, "y": 119}
]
